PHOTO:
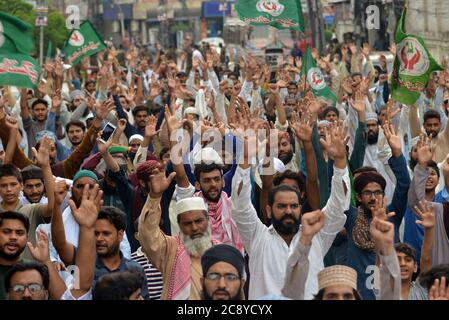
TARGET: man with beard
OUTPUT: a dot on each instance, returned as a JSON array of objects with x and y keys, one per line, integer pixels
[
  {"x": 75, "y": 132},
  {"x": 286, "y": 154},
  {"x": 209, "y": 179},
  {"x": 370, "y": 192},
  {"x": 109, "y": 231},
  {"x": 223, "y": 267},
  {"x": 33, "y": 185},
  {"x": 432, "y": 126},
  {"x": 65, "y": 229},
  {"x": 270, "y": 247},
  {"x": 178, "y": 258},
  {"x": 36, "y": 120},
  {"x": 14, "y": 228},
  {"x": 140, "y": 114},
  {"x": 373, "y": 156}
]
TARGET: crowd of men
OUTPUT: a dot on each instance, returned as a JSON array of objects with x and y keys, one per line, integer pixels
[{"x": 223, "y": 177}]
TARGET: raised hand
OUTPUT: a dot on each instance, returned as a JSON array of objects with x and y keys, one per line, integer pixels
[
  {"x": 311, "y": 224},
  {"x": 150, "y": 128},
  {"x": 102, "y": 110},
  {"x": 359, "y": 102},
  {"x": 40, "y": 252},
  {"x": 382, "y": 233},
  {"x": 426, "y": 213},
  {"x": 170, "y": 118},
  {"x": 61, "y": 189},
  {"x": 12, "y": 123},
  {"x": 103, "y": 147},
  {"x": 425, "y": 152},
  {"x": 380, "y": 210},
  {"x": 439, "y": 291},
  {"x": 43, "y": 155},
  {"x": 302, "y": 126},
  {"x": 393, "y": 137},
  {"x": 91, "y": 202},
  {"x": 159, "y": 182},
  {"x": 121, "y": 125},
  {"x": 56, "y": 100},
  {"x": 336, "y": 141}
]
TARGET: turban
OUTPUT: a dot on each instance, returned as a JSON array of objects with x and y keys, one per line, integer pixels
[
  {"x": 337, "y": 275},
  {"x": 32, "y": 172},
  {"x": 144, "y": 171},
  {"x": 223, "y": 253},
  {"x": 190, "y": 204},
  {"x": 191, "y": 110},
  {"x": 76, "y": 93},
  {"x": 85, "y": 174},
  {"x": 368, "y": 177}
]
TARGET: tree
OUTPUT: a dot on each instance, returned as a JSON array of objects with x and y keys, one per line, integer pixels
[{"x": 55, "y": 31}]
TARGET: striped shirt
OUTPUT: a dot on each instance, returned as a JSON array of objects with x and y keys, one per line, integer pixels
[{"x": 154, "y": 276}]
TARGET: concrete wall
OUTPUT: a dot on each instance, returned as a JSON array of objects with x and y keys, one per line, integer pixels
[{"x": 430, "y": 19}]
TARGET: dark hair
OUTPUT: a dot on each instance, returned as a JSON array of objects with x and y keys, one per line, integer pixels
[
  {"x": 292, "y": 83},
  {"x": 13, "y": 215},
  {"x": 320, "y": 295},
  {"x": 75, "y": 123},
  {"x": 9, "y": 170},
  {"x": 431, "y": 114},
  {"x": 117, "y": 285},
  {"x": 25, "y": 266},
  {"x": 330, "y": 109},
  {"x": 89, "y": 82},
  {"x": 406, "y": 249},
  {"x": 115, "y": 216},
  {"x": 363, "y": 170},
  {"x": 282, "y": 188},
  {"x": 163, "y": 151},
  {"x": 39, "y": 101},
  {"x": 427, "y": 279},
  {"x": 297, "y": 176},
  {"x": 206, "y": 168},
  {"x": 432, "y": 164},
  {"x": 139, "y": 109}
]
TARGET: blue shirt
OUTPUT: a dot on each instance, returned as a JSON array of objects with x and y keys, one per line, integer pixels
[{"x": 359, "y": 259}]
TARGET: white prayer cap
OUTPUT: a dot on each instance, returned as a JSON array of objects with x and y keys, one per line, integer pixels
[
  {"x": 136, "y": 137},
  {"x": 208, "y": 156},
  {"x": 371, "y": 116},
  {"x": 323, "y": 123},
  {"x": 191, "y": 110},
  {"x": 90, "y": 116},
  {"x": 337, "y": 275},
  {"x": 279, "y": 166},
  {"x": 190, "y": 204}
]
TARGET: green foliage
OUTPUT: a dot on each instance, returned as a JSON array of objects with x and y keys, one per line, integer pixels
[{"x": 55, "y": 31}]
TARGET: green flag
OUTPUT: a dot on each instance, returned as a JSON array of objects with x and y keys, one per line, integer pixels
[
  {"x": 82, "y": 43},
  {"x": 281, "y": 14},
  {"x": 315, "y": 78},
  {"x": 16, "y": 36},
  {"x": 49, "y": 50},
  {"x": 412, "y": 66},
  {"x": 17, "y": 67}
]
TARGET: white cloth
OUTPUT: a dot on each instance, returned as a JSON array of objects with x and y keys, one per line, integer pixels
[
  {"x": 67, "y": 295},
  {"x": 268, "y": 252}
]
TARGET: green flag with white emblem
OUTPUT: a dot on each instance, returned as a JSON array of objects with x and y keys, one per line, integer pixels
[
  {"x": 83, "y": 42},
  {"x": 281, "y": 14},
  {"x": 315, "y": 78},
  {"x": 412, "y": 66}
]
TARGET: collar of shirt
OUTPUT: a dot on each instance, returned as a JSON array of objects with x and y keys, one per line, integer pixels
[
  {"x": 16, "y": 209},
  {"x": 99, "y": 265}
]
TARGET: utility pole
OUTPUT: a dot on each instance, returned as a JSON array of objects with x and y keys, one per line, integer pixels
[
  {"x": 312, "y": 21},
  {"x": 41, "y": 21}
]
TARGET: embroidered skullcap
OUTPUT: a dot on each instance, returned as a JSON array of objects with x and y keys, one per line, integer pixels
[
  {"x": 337, "y": 275},
  {"x": 85, "y": 174},
  {"x": 144, "y": 171},
  {"x": 371, "y": 116}
]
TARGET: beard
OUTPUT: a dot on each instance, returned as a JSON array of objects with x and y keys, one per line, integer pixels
[
  {"x": 209, "y": 197},
  {"x": 197, "y": 247},
  {"x": 286, "y": 229},
  {"x": 11, "y": 256},
  {"x": 112, "y": 250},
  {"x": 432, "y": 132},
  {"x": 373, "y": 138},
  {"x": 238, "y": 295},
  {"x": 286, "y": 157}
]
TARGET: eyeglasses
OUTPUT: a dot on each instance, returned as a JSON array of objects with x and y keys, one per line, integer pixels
[
  {"x": 229, "y": 277},
  {"x": 376, "y": 193},
  {"x": 34, "y": 288}
]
